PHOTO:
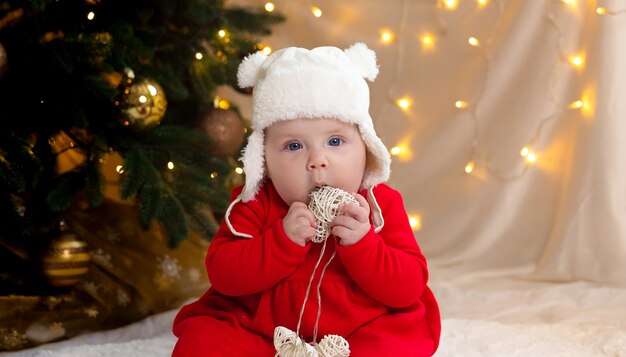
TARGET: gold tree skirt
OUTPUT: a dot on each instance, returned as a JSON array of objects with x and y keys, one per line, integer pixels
[{"x": 132, "y": 274}]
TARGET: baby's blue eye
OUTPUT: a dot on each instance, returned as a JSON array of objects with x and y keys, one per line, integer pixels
[
  {"x": 335, "y": 141},
  {"x": 294, "y": 146}
]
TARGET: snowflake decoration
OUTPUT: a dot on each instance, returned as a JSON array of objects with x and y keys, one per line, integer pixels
[
  {"x": 122, "y": 298},
  {"x": 169, "y": 267},
  {"x": 92, "y": 312},
  {"x": 52, "y": 302},
  {"x": 102, "y": 258},
  {"x": 91, "y": 287},
  {"x": 194, "y": 274},
  {"x": 57, "y": 329}
]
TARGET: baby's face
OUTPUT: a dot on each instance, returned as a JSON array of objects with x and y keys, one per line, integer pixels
[{"x": 303, "y": 153}]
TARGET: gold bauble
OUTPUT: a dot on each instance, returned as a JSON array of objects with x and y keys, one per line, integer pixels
[
  {"x": 66, "y": 260},
  {"x": 143, "y": 104},
  {"x": 225, "y": 129}
]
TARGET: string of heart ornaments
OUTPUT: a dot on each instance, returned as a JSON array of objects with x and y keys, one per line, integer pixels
[{"x": 324, "y": 203}]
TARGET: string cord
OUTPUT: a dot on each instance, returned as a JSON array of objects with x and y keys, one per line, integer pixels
[{"x": 308, "y": 289}]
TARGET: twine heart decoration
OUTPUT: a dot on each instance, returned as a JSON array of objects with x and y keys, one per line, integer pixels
[
  {"x": 324, "y": 203},
  {"x": 288, "y": 344}
]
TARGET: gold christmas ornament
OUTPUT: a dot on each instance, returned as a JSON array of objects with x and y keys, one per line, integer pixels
[
  {"x": 143, "y": 104},
  {"x": 225, "y": 129},
  {"x": 66, "y": 261}
]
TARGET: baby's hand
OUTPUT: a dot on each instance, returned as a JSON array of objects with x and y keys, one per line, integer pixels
[
  {"x": 299, "y": 223},
  {"x": 354, "y": 223}
]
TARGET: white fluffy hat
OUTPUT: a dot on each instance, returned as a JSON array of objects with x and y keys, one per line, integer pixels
[{"x": 296, "y": 83}]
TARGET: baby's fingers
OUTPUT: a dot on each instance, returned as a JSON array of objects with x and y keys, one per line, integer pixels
[
  {"x": 299, "y": 210},
  {"x": 359, "y": 213}
]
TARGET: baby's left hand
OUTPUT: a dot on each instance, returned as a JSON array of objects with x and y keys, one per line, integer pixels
[{"x": 354, "y": 223}]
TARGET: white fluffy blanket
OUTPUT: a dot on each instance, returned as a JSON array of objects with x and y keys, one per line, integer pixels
[{"x": 480, "y": 318}]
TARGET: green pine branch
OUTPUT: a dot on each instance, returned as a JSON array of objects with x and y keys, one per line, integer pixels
[{"x": 65, "y": 74}]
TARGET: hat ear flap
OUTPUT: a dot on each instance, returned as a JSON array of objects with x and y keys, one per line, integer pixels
[
  {"x": 364, "y": 59},
  {"x": 249, "y": 69}
]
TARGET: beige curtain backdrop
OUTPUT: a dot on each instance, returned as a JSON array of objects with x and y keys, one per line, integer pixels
[{"x": 562, "y": 218}]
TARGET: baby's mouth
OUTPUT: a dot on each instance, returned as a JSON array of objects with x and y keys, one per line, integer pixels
[{"x": 319, "y": 184}]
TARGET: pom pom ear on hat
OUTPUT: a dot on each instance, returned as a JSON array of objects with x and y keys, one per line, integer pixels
[
  {"x": 364, "y": 60},
  {"x": 249, "y": 69}
]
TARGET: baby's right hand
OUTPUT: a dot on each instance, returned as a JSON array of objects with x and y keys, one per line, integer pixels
[{"x": 299, "y": 223}]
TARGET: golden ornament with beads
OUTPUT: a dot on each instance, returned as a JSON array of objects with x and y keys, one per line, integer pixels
[
  {"x": 143, "y": 104},
  {"x": 66, "y": 260}
]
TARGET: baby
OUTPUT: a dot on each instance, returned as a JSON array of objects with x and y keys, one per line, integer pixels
[{"x": 311, "y": 128}]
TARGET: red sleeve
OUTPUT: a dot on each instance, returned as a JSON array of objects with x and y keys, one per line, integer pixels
[
  {"x": 388, "y": 265},
  {"x": 243, "y": 266}
]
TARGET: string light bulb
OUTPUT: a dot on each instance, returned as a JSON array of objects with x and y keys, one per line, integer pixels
[
  {"x": 428, "y": 41},
  {"x": 473, "y": 41},
  {"x": 588, "y": 100},
  {"x": 221, "y": 33},
  {"x": 577, "y": 60},
  {"x": 119, "y": 169},
  {"x": 316, "y": 11},
  {"x": 269, "y": 7},
  {"x": 601, "y": 10},
  {"x": 221, "y": 103},
  {"x": 460, "y": 104},
  {"x": 450, "y": 4},
  {"x": 267, "y": 50},
  {"x": 91, "y": 15},
  {"x": 239, "y": 170},
  {"x": 170, "y": 165},
  {"x": 524, "y": 152},
  {"x": 402, "y": 150},
  {"x": 416, "y": 222},
  {"x": 198, "y": 56},
  {"x": 528, "y": 154},
  {"x": 576, "y": 104},
  {"x": 482, "y": 3},
  {"x": 404, "y": 103},
  {"x": 396, "y": 150},
  {"x": 469, "y": 167},
  {"x": 213, "y": 175},
  {"x": 386, "y": 36}
]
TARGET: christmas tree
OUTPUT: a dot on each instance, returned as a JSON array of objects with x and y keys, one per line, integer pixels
[{"x": 85, "y": 81}]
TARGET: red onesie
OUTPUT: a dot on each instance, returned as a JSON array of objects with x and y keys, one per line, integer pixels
[{"x": 373, "y": 293}]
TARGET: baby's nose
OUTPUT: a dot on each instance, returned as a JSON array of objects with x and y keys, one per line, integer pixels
[
  {"x": 317, "y": 165},
  {"x": 317, "y": 161}
]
